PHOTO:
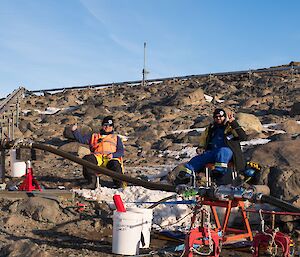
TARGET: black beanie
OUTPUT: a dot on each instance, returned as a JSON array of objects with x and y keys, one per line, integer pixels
[
  {"x": 219, "y": 111},
  {"x": 108, "y": 120}
]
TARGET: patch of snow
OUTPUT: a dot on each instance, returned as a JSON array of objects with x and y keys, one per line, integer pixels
[
  {"x": 208, "y": 98},
  {"x": 256, "y": 141},
  {"x": 26, "y": 111},
  {"x": 185, "y": 152},
  {"x": 124, "y": 138},
  {"x": 220, "y": 100},
  {"x": 154, "y": 171},
  {"x": 166, "y": 216},
  {"x": 273, "y": 127},
  {"x": 49, "y": 110},
  {"x": 269, "y": 125},
  {"x": 187, "y": 130},
  {"x": 79, "y": 102},
  {"x": 70, "y": 109}
]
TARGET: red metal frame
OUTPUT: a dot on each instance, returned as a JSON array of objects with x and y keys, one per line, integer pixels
[
  {"x": 29, "y": 183},
  {"x": 199, "y": 236},
  {"x": 227, "y": 232},
  {"x": 280, "y": 239}
]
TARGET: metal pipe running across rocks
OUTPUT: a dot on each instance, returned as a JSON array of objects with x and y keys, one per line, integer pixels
[
  {"x": 97, "y": 169},
  {"x": 149, "y": 185}
]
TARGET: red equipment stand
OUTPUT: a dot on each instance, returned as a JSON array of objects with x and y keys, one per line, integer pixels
[
  {"x": 271, "y": 238},
  {"x": 230, "y": 234},
  {"x": 201, "y": 237},
  {"x": 29, "y": 183},
  {"x": 222, "y": 233}
]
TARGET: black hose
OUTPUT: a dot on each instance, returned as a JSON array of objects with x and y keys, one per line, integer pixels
[
  {"x": 279, "y": 203},
  {"x": 150, "y": 185},
  {"x": 102, "y": 170},
  {"x": 162, "y": 200}
]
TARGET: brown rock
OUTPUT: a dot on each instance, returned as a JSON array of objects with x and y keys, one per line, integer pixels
[
  {"x": 290, "y": 126},
  {"x": 195, "y": 97},
  {"x": 71, "y": 147},
  {"x": 250, "y": 123},
  {"x": 118, "y": 101},
  {"x": 14, "y": 221},
  {"x": 295, "y": 110},
  {"x": 281, "y": 167},
  {"x": 251, "y": 102},
  {"x": 83, "y": 150},
  {"x": 24, "y": 248},
  {"x": 92, "y": 112},
  {"x": 40, "y": 209}
]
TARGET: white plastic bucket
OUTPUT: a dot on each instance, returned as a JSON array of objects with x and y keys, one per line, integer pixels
[
  {"x": 147, "y": 223},
  {"x": 17, "y": 168},
  {"x": 127, "y": 228}
]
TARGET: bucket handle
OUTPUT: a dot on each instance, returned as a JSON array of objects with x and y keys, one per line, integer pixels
[{"x": 142, "y": 239}]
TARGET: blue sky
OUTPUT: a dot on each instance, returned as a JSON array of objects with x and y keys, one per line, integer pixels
[{"x": 61, "y": 43}]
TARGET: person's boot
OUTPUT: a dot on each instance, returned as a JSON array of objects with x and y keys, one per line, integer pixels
[
  {"x": 218, "y": 177},
  {"x": 92, "y": 183},
  {"x": 185, "y": 176},
  {"x": 115, "y": 166},
  {"x": 91, "y": 180},
  {"x": 85, "y": 173}
]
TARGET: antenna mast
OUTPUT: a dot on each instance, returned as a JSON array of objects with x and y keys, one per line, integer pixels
[{"x": 145, "y": 72}]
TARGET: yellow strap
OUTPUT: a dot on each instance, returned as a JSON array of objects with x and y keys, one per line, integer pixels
[{"x": 103, "y": 160}]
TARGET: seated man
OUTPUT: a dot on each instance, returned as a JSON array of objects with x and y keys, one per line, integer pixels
[
  {"x": 221, "y": 143},
  {"x": 107, "y": 150}
]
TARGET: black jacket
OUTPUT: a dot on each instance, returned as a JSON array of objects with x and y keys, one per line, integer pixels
[{"x": 233, "y": 135}]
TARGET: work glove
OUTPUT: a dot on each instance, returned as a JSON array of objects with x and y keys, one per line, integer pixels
[{"x": 183, "y": 177}]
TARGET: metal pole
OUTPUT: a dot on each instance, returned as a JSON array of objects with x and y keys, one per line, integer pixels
[
  {"x": 144, "y": 69},
  {"x": 2, "y": 126},
  {"x": 2, "y": 153},
  {"x": 18, "y": 113},
  {"x": 12, "y": 126},
  {"x": 2, "y": 165},
  {"x": 8, "y": 127}
]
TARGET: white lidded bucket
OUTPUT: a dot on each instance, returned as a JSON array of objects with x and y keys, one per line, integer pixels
[
  {"x": 17, "y": 168},
  {"x": 147, "y": 223},
  {"x": 127, "y": 228}
]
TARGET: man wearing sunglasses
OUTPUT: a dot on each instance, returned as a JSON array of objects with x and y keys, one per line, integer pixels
[
  {"x": 221, "y": 144},
  {"x": 107, "y": 150}
]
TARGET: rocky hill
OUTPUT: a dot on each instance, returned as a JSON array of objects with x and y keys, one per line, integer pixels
[
  {"x": 160, "y": 119},
  {"x": 152, "y": 117}
]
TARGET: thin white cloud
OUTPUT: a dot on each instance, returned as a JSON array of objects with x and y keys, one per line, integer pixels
[
  {"x": 91, "y": 8},
  {"x": 126, "y": 44},
  {"x": 96, "y": 12}
]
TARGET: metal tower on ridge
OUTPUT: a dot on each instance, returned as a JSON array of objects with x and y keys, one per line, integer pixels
[{"x": 145, "y": 72}]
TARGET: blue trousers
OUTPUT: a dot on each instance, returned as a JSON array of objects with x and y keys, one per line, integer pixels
[{"x": 220, "y": 157}]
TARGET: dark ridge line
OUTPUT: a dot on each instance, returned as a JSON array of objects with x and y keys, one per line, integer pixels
[{"x": 131, "y": 83}]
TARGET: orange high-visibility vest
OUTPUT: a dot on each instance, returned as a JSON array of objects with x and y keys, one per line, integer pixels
[{"x": 103, "y": 144}]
